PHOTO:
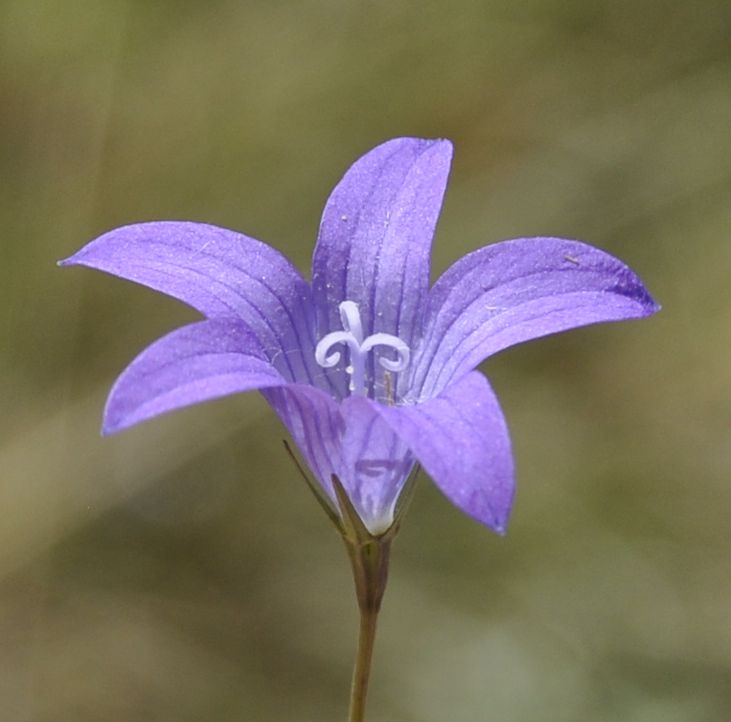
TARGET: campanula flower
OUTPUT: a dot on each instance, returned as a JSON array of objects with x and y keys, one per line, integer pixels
[{"x": 369, "y": 368}]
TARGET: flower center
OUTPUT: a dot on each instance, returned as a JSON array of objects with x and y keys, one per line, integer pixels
[{"x": 358, "y": 348}]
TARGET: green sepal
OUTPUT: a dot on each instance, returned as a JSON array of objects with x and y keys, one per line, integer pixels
[
  {"x": 322, "y": 499},
  {"x": 369, "y": 553},
  {"x": 354, "y": 530}
]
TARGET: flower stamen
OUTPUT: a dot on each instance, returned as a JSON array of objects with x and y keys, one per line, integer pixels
[{"x": 358, "y": 348}]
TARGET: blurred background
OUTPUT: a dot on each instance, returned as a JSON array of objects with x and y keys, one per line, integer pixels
[{"x": 181, "y": 571}]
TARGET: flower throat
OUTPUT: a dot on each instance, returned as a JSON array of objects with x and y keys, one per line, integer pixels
[{"x": 359, "y": 348}]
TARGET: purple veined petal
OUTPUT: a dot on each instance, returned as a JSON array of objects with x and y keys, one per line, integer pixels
[
  {"x": 313, "y": 420},
  {"x": 515, "y": 291},
  {"x": 350, "y": 440},
  {"x": 375, "y": 240},
  {"x": 220, "y": 273},
  {"x": 377, "y": 463},
  {"x": 202, "y": 361},
  {"x": 461, "y": 439}
]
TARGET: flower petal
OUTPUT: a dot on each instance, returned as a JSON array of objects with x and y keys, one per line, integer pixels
[
  {"x": 461, "y": 439},
  {"x": 220, "y": 273},
  {"x": 195, "y": 363},
  {"x": 351, "y": 441},
  {"x": 518, "y": 290},
  {"x": 376, "y": 461},
  {"x": 313, "y": 420},
  {"x": 375, "y": 238}
]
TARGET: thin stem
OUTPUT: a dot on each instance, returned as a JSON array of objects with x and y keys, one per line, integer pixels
[
  {"x": 369, "y": 558},
  {"x": 362, "y": 668}
]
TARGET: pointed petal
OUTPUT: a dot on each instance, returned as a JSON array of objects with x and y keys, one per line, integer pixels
[
  {"x": 375, "y": 238},
  {"x": 195, "y": 363},
  {"x": 221, "y": 274},
  {"x": 515, "y": 291},
  {"x": 461, "y": 439},
  {"x": 351, "y": 441}
]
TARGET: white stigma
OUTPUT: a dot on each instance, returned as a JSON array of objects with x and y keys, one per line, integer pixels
[{"x": 359, "y": 348}]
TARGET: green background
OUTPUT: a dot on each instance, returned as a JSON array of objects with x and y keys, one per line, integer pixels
[{"x": 181, "y": 571}]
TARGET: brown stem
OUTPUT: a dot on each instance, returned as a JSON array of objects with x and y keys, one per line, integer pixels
[
  {"x": 362, "y": 668},
  {"x": 370, "y": 572},
  {"x": 369, "y": 554}
]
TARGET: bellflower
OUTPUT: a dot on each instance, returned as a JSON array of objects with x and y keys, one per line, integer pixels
[{"x": 369, "y": 368}]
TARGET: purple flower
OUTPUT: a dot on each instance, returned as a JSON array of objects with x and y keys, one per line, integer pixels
[{"x": 369, "y": 368}]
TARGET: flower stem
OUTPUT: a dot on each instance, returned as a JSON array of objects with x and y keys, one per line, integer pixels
[
  {"x": 369, "y": 555},
  {"x": 370, "y": 572},
  {"x": 362, "y": 668}
]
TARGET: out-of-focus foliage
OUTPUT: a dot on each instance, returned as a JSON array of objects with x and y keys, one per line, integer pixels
[{"x": 180, "y": 571}]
